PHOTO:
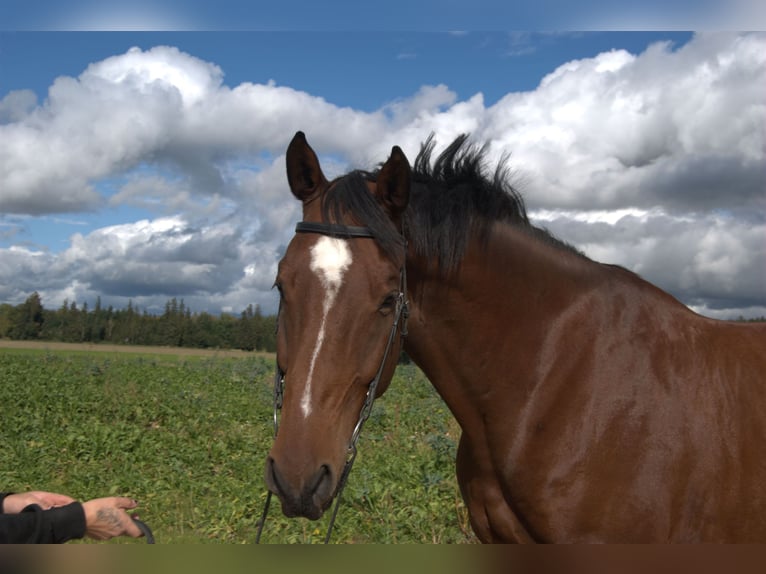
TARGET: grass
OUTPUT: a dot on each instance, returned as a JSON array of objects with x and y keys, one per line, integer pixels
[{"x": 187, "y": 436}]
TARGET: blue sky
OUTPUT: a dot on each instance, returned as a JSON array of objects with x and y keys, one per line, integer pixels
[
  {"x": 147, "y": 165},
  {"x": 353, "y": 68}
]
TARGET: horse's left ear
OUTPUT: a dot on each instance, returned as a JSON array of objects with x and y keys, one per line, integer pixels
[{"x": 393, "y": 185}]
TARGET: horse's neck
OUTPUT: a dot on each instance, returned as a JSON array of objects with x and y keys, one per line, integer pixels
[
  {"x": 490, "y": 318},
  {"x": 511, "y": 285}
]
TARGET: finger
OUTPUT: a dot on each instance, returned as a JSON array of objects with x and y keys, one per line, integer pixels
[
  {"x": 125, "y": 503},
  {"x": 45, "y": 500},
  {"x": 58, "y": 499}
]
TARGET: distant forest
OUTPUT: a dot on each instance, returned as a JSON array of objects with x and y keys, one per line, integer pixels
[{"x": 178, "y": 326}]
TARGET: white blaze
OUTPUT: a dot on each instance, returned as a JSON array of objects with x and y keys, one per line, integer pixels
[{"x": 330, "y": 258}]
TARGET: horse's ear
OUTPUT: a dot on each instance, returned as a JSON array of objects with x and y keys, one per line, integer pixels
[
  {"x": 393, "y": 185},
  {"x": 303, "y": 172}
]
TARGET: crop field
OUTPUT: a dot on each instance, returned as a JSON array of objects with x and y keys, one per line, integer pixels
[{"x": 186, "y": 434}]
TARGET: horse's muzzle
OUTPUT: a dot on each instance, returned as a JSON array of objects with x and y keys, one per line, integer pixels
[{"x": 307, "y": 498}]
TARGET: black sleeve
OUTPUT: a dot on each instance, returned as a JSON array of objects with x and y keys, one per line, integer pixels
[{"x": 37, "y": 526}]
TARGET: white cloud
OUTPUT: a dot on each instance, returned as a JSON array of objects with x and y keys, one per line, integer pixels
[
  {"x": 161, "y": 70},
  {"x": 709, "y": 259},
  {"x": 654, "y": 161},
  {"x": 613, "y": 131},
  {"x": 15, "y": 105}
]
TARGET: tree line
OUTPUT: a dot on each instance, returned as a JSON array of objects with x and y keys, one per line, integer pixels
[{"x": 177, "y": 326}]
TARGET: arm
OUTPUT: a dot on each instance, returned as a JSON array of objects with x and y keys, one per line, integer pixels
[
  {"x": 37, "y": 526},
  {"x": 51, "y": 518}
]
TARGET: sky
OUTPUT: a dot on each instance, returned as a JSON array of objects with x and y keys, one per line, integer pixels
[{"x": 143, "y": 165}]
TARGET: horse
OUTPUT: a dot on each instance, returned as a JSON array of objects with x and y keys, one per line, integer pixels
[{"x": 593, "y": 406}]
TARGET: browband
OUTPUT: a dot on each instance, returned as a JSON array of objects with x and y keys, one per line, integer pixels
[{"x": 333, "y": 229}]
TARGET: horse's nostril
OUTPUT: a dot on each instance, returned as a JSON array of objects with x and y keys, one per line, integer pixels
[
  {"x": 322, "y": 485},
  {"x": 272, "y": 477}
]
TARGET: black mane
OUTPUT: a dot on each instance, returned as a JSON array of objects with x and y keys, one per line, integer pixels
[
  {"x": 451, "y": 199},
  {"x": 454, "y": 198}
]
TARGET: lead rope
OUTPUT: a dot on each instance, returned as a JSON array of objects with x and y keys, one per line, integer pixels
[
  {"x": 402, "y": 314},
  {"x": 144, "y": 528}
]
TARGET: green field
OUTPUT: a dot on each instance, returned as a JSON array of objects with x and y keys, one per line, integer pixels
[{"x": 187, "y": 435}]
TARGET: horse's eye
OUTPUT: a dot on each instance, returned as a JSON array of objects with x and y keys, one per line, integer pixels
[
  {"x": 389, "y": 303},
  {"x": 278, "y": 287}
]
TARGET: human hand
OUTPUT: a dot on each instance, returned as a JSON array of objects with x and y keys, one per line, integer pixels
[
  {"x": 106, "y": 518},
  {"x": 15, "y": 503}
]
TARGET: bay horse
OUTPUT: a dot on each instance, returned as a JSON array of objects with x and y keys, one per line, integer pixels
[{"x": 594, "y": 407}]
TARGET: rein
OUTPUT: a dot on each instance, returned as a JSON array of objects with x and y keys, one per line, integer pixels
[
  {"x": 145, "y": 530},
  {"x": 400, "y": 317}
]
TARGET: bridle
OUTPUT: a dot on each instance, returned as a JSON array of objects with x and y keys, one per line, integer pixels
[{"x": 401, "y": 314}]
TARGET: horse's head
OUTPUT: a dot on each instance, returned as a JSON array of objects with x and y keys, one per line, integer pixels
[{"x": 342, "y": 295}]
